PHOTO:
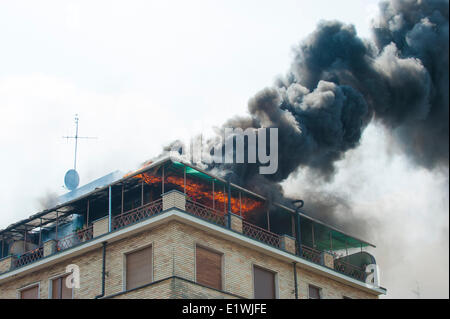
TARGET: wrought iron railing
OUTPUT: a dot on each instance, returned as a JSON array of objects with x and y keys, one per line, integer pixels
[
  {"x": 206, "y": 212},
  {"x": 29, "y": 257},
  {"x": 261, "y": 234},
  {"x": 349, "y": 270},
  {"x": 137, "y": 214},
  {"x": 75, "y": 238},
  {"x": 311, "y": 254}
]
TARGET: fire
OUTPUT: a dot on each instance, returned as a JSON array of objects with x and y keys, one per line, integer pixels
[
  {"x": 202, "y": 192},
  {"x": 141, "y": 167}
]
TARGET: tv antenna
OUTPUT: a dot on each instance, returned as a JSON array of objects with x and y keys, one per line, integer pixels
[{"x": 72, "y": 179}]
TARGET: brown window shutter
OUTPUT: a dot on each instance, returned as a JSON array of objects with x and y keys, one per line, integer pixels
[
  {"x": 56, "y": 288},
  {"x": 66, "y": 292},
  {"x": 30, "y": 293},
  {"x": 314, "y": 292},
  {"x": 264, "y": 283},
  {"x": 208, "y": 268},
  {"x": 139, "y": 268},
  {"x": 60, "y": 289}
]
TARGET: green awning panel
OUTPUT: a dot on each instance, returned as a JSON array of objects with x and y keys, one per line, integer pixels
[{"x": 324, "y": 238}]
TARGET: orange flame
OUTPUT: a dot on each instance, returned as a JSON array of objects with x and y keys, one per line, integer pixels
[{"x": 202, "y": 192}]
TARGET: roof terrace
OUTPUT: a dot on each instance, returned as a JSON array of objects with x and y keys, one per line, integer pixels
[{"x": 166, "y": 184}]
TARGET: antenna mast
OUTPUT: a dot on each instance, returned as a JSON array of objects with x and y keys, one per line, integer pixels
[
  {"x": 72, "y": 179},
  {"x": 76, "y": 137}
]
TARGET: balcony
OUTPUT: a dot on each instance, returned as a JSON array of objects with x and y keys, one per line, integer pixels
[{"x": 143, "y": 196}]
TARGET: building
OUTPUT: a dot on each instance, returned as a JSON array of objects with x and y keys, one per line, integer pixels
[{"x": 171, "y": 230}]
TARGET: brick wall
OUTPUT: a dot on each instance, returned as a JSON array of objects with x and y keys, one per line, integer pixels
[{"x": 173, "y": 245}]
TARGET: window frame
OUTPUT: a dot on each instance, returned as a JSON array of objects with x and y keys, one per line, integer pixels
[
  {"x": 275, "y": 279},
  {"x": 50, "y": 284},
  {"x": 124, "y": 264},
  {"x": 37, "y": 284},
  {"x": 222, "y": 264},
  {"x": 319, "y": 291}
]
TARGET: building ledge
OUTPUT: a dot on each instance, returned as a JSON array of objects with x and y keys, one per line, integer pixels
[{"x": 174, "y": 214}]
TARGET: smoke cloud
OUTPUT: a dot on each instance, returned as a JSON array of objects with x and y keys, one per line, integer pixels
[{"x": 337, "y": 85}]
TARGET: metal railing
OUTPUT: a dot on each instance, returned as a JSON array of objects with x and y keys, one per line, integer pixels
[
  {"x": 349, "y": 270},
  {"x": 261, "y": 234},
  {"x": 137, "y": 214},
  {"x": 206, "y": 212},
  {"x": 29, "y": 257},
  {"x": 75, "y": 238},
  {"x": 311, "y": 254}
]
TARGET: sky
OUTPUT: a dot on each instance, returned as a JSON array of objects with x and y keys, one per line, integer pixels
[{"x": 141, "y": 74}]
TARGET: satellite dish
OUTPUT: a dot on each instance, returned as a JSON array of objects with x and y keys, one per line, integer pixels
[{"x": 71, "y": 179}]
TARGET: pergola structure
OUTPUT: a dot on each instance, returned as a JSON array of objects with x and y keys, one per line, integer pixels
[{"x": 146, "y": 185}]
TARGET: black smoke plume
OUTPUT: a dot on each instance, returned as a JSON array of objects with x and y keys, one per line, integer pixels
[{"x": 338, "y": 83}]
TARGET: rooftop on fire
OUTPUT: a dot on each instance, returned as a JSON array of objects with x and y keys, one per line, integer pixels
[{"x": 171, "y": 230}]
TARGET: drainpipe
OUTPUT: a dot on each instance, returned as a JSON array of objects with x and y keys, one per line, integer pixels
[
  {"x": 103, "y": 271},
  {"x": 295, "y": 280}
]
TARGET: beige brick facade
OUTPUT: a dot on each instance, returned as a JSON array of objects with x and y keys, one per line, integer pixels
[{"x": 173, "y": 246}]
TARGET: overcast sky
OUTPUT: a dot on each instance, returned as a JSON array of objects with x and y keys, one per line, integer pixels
[{"x": 143, "y": 73}]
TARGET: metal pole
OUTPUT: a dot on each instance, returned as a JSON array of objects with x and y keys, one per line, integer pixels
[
  {"x": 109, "y": 209},
  {"x": 312, "y": 230},
  {"x": 331, "y": 241},
  {"x": 25, "y": 240},
  {"x": 142, "y": 192},
  {"x": 298, "y": 233},
  {"x": 87, "y": 214},
  {"x": 299, "y": 238},
  {"x": 224, "y": 206},
  {"x": 268, "y": 218},
  {"x": 240, "y": 204},
  {"x": 121, "y": 208},
  {"x": 162, "y": 180},
  {"x": 3, "y": 247},
  {"x": 56, "y": 226},
  {"x": 184, "y": 185},
  {"x": 229, "y": 203},
  {"x": 214, "y": 198},
  {"x": 76, "y": 143},
  {"x": 40, "y": 232},
  {"x": 293, "y": 226}
]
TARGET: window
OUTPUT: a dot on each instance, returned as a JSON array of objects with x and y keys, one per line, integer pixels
[
  {"x": 60, "y": 289},
  {"x": 314, "y": 292},
  {"x": 138, "y": 268},
  {"x": 30, "y": 293},
  {"x": 264, "y": 283},
  {"x": 208, "y": 268}
]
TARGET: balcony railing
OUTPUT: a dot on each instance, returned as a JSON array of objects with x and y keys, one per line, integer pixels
[
  {"x": 206, "y": 212},
  {"x": 311, "y": 254},
  {"x": 75, "y": 238},
  {"x": 349, "y": 270},
  {"x": 261, "y": 234},
  {"x": 29, "y": 257},
  {"x": 137, "y": 214}
]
